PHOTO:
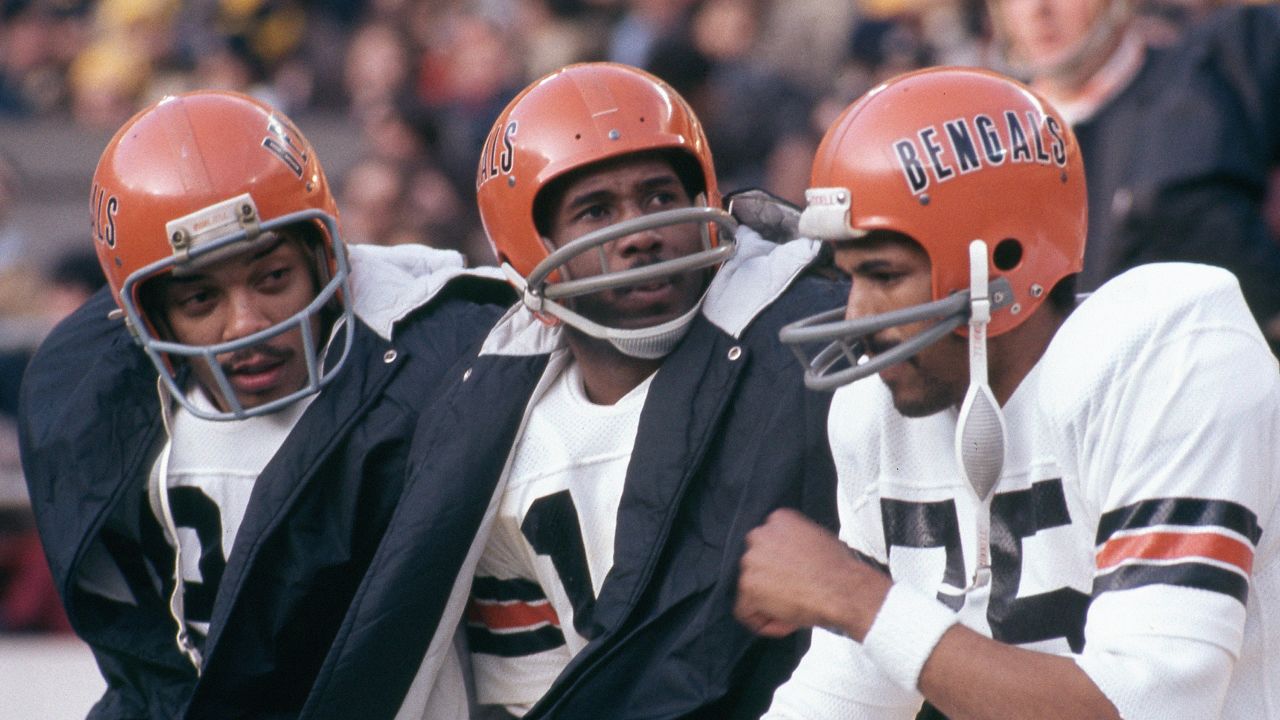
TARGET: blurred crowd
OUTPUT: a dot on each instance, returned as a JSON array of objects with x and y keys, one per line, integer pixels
[{"x": 423, "y": 80}]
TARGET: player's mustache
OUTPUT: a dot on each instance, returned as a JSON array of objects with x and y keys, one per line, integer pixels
[
  {"x": 652, "y": 258},
  {"x": 874, "y": 346},
  {"x": 649, "y": 257},
  {"x": 255, "y": 354}
]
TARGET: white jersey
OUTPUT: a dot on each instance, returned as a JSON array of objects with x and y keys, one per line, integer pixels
[
  {"x": 552, "y": 540},
  {"x": 1135, "y": 526},
  {"x": 210, "y": 468}
]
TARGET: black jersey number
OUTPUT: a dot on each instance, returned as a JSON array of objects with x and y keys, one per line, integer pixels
[
  {"x": 1014, "y": 516},
  {"x": 193, "y": 509},
  {"x": 551, "y": 526}
]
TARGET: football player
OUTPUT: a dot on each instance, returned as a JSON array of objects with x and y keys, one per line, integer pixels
[
  {"x": 1056, "y": 510},
  {"x": 215, "y": 445},
  {"x": 1191, "y": 190},
  {"x": 633, "y": 415}
]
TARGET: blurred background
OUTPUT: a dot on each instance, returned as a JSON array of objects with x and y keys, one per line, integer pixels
[{"x": 397, "y": 96}]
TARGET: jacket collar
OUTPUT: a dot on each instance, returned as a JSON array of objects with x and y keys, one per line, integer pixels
[{"x": 389, "y": 283}]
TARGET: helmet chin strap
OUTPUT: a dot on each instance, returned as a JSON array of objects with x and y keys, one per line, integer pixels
[
  {"x": 647, "y": 343},
  {"x": 980, "y": 430}
]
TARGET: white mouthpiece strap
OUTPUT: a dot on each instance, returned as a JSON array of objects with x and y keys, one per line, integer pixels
[
  {"x": 980, "y": 432},
  {"x": 979, "y": 294},
  {"x": 647, "y": 343}
]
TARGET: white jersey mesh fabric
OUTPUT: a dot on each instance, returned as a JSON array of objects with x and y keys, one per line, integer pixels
[
  {"x": 558, "y": 513},
  {"x": 1135, "y": 526}
]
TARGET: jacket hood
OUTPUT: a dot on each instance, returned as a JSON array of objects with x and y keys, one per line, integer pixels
[{"x": 389, "y": 283}]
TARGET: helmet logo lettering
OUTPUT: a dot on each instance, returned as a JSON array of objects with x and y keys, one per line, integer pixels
[
  {"x": 909, "y": 158},
  {"x": 962, "y": 142},
  {"x": 1017, "y": 138},
  {"x": 280, "y": 143},
  {"x": 1058, "y": 147},
  {"x": 103, "y": 222},
  {"x": 991, "y": 145},
  {"x": 498, "y": 156},
  {"x": 1042, "y": 157},
  {"x": 940, "y": 168},
  {"x": 967, "y": 145}
]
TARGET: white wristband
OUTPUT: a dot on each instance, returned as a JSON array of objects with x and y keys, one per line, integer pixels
[{"x": 904, "y": 633}]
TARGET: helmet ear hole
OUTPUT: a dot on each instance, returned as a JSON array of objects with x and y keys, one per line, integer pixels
[
  {"x": 150, "y": 295},
  {"x": 1007, "y": 255}
]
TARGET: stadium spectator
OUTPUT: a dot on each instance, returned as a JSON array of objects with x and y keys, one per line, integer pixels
[{"x": 1179, "y": 141}]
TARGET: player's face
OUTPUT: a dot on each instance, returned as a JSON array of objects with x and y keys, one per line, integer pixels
[
  {"x": 237, "y": 297},
  {"x": 1046, "y": 32},
  {"x": 610, "y": 193},
  {"x": 890, "y": 274}
]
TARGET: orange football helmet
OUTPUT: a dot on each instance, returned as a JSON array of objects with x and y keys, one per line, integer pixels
[
  {"x": 947, "y": 156},
  {"x": 572, "y": 118},
  {"x": 201, "y": 176}
]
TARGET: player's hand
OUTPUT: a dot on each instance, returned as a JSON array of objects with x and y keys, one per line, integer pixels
[
  {"x": 797, "y": 574},
  {"x": 774, "y": 218}
]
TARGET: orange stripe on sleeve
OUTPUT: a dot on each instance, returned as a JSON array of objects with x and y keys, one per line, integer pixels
[
  {"x": 511, "y": 615},
  {"x": 1174, "y": 546}
]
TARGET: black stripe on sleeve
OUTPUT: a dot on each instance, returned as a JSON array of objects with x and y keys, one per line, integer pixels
[
  {"x": 517, "y": 644},
  {"x": 491, "y": 589},
  {"x": 1187, "y": 574},
  {"x": 1190, "y": 512}
]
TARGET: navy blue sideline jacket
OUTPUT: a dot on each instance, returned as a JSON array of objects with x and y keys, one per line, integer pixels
[
  {"x": 727, "y": 434},
  {"x": 90, "y": 432}
]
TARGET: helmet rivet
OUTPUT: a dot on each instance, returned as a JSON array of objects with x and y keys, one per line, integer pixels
[
  {"x": 389, "y": 356},
  {"x": 310, "y": 186},
  {"x": 841, "y": 198},
  {"x": 1015, "y": 308},
  {"x": 246, "y": 210},
  {"x": 1064, "y": 176},
  {"x": 511, "y": 181},
  {"x": 614, "y": 134},
  {"x": 1036, "y": 290},
  {"x": 924, "y": 199},
  {"x": 735, "y": 352},
  {"x": 180, "y": 239}
]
